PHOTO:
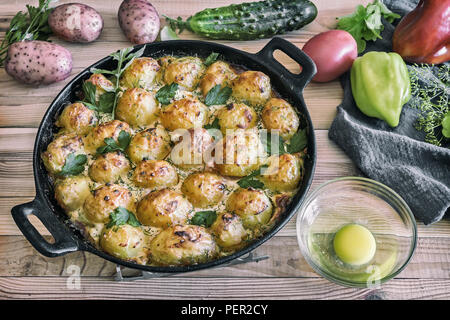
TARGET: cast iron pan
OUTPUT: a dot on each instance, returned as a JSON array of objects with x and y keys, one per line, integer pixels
[{"x": 69, "y": 239}]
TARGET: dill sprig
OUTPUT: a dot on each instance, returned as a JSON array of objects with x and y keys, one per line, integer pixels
[
  {"x": 430, "y": 88},
  {"x": 31, "y": 25}
]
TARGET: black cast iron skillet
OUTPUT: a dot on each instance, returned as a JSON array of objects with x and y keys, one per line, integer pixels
[{"x": 68, "y": 239}]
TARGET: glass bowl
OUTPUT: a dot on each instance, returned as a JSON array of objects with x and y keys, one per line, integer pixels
[{"x": 356, "y": 200}]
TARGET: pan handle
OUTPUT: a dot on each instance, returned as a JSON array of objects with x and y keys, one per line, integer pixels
[
  {"x": 64, "y": 243},
  {"x": 308, "y": 66}
]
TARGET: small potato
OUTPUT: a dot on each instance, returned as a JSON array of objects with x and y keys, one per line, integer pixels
[
  {"x": 217, "y": 73},
  {"x": 59, "y": 149},
  {"x": 110, "y": 129},
  {"x": 163, "y": 208},
  {"x": 182, "y": 245},
  {"x": 150, "y": 144},
  {"x": 155, "y": 174},
  {"x": 71, "y": 192},
  {"x": 124, "y": 242},
  {"x": 279, "y": 115},
  {"x": 283, "y": 173},
  {"x": 140, "y": 74},
  {"x": 239, "y": 153},
  {"x": 76, "y": 22},
  {"x": 77, "y": 118},
  {"x": 139, "y": 21},
  {"x": 228, "y": 230},
  {"x": 193, "y": 149},
  {"x": 185, "y": 71},
  {"x": 38, "y": 62},
  {"x": 104, "y": 200},
  {"x": 109, "y": 167},
  {"x": 101, "y": 83},
  {"x": 252, "y": 205},
  {"x": 137, "y": 107},
  {"x": 204, "y": 189},
  {"x": 186, "y": 113},
  {"x": 236, "y": 116},
  {"x": 253, "y": 87}
]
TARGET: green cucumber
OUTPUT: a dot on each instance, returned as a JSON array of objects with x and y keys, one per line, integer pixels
[{"x": 249, "y": 21}]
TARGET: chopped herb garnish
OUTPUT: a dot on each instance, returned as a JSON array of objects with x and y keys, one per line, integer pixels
[
  {"x": 211, "y": 59},
  {"x": 166, "y": 93},
  {"x": 74, "y": 165},
  {"x": 298, "y": 142},
  {"x": 213, "y": 125},
  {"x": 204, "y": 218},
  {"x": 250, "y": 181},
  {"x": 217, "y": 95},
  {"x": 273, "y": 148},
  {"x": 105, "y": 102},
  {"x": 121, "y": 216},
  {"x": 111, "y": 145}
]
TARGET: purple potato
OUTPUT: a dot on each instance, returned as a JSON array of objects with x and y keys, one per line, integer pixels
[
  {"x": 139, "y": 21},
  {"x": 76, "y": 22},
  {"x": 38, "y": 62}
]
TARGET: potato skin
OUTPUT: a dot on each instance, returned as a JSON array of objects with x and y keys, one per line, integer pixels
[
  {"x": 236, "y": 116},
  {"x": 217, "y": 73},
  {"x": 77, "y": 118},
  {"x": 193, "y": 149},
  {"x": 107, "y": 168},
  {"x": 228, "y": 230},
  {"x": 101, "y": 83},
  {"x": 238, "y": 154},
  {"x": 284, "y": 172},
  {"x": 252, "y": 205},
  {"x": 59, "y": 149},
  {"x": 76, "y": 22},
  {"x": 139, "y": 21},
  {"x": 110, "y": 129},
  {"x": 137, "y": 107},
  {"x": 182, "y": 245},
  {"x": 253, "y": 87},
  {"x": 124, "y": 242},
  {"x": 155, "y": 174},
  {"x": 203, "y": 189},
  {"x": 71, "y": 192},
  {"x": 141, "y": 73},
  {"x": 38, "y": 62},
  {"x": 149, "y": 144},
  {"x": 163, "y": 208},
  {"x": 104, "y": 200},
  {"x": 185, "y": 71},
  {"x": 186, "y": 113},
  {"x": 278, "y": 114}
]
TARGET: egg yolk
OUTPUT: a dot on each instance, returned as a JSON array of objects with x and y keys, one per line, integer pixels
[{"x": 354, "y": 244}]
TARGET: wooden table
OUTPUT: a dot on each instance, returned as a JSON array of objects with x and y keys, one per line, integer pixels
[{"x": 24, "y": 273}]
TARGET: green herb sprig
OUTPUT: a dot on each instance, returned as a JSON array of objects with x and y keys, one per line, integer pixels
[
  {"x": 104, "y": 103},
  {"x": 211, "y": 59},
  {"x": 121, "y": 216},
  {"x": 166, "y": 93},
  {"x": 111, "y": 145},
  {"x": 217, "y": 95},
  {"x": 297, "y": 143},
  {"x": 251, "y": 181},
  {"x": 31, "y": 25},
  {"x": 73, "y": 165},
  {"x": 204, "y": 218}
]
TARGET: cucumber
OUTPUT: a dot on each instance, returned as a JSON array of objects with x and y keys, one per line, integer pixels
[{"x": 249, "y": 21}]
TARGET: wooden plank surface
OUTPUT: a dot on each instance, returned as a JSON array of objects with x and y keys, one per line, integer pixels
[{"x": 24, "y": 273}]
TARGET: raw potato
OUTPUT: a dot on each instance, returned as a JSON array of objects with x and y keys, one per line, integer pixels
[
  {"x": 139, "y": 21},
  {"x": 76, "y": 22},
  {"x": 38, "y": 62}
]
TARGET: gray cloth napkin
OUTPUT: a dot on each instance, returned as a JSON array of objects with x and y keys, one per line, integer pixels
[{"x": 397, "y": 157}]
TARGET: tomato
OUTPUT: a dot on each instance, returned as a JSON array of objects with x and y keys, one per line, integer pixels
[{"x": 333, "y": 52}]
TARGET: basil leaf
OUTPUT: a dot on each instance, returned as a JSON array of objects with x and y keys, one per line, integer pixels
[
  {"x": 204, "y": 218},
  {"x": 166, "y": 93},
  {"x": 211, "y": 59},
  {"x": 217, "y": 95},
  {"x": 298, "y": 142},
  {"x": 74, "y": 165}
]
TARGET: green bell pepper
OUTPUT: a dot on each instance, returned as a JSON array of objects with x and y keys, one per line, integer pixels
[
  {"x": 381, "y": 85},
  {"x": 446, "y": 125}
]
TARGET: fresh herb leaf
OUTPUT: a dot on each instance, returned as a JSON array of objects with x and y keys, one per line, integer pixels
[
  {"x": 32, "y": 25},
  {"x": 213, "y": 125},
  {"x": 250, "y": 181},
  {"x": 74, "y": 165},
  {"x": 111, "y": 145},
  {"x": 217, "y": 95},
  {"x": 298, "y": 142},
  {"x": 365, "y": 23},
  {"x": 167, "y": 93},
  {"x": 106, "y": 102},
  {"x": 204, "y": 218},
  {"x": 273, "y": 148},
  {"x": 121, "y": 216},
  {"x": 211, "y": 59}
]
